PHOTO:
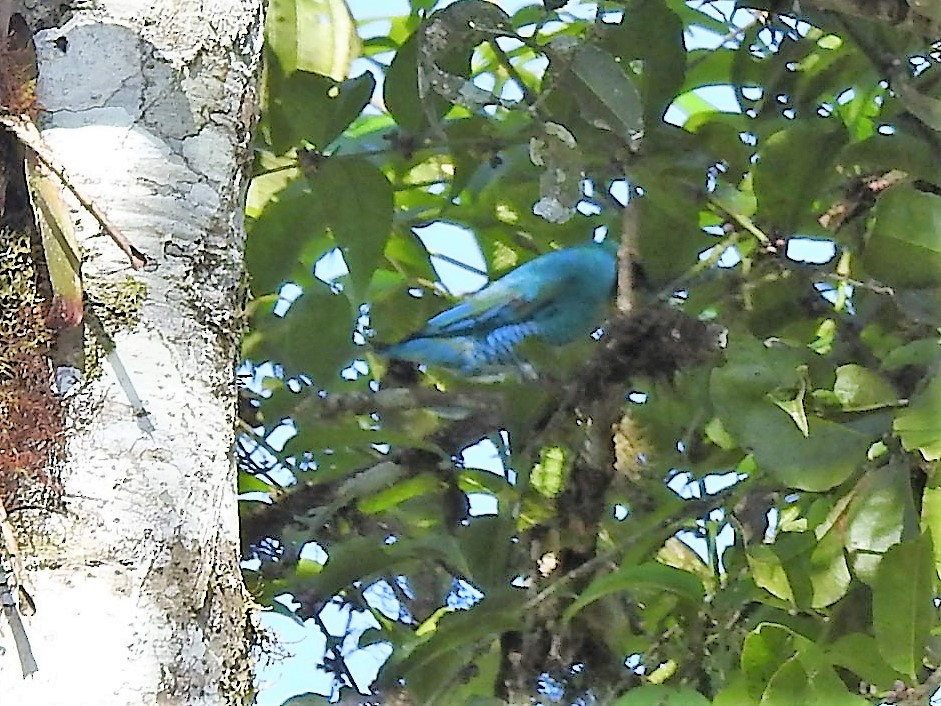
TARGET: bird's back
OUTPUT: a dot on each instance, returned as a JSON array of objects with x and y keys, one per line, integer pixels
[{"x": 557, "y": 297}]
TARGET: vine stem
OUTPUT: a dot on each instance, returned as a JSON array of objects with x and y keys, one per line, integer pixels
[
  {"x": 29, "y": 135},
  {"x": 627, "y": 252}
]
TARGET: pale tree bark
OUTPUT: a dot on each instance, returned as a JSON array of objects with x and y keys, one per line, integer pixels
[{"x": 149, "y": 107}]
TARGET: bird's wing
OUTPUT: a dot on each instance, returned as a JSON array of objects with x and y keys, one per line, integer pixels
[
  {"x": 459, "y": 352},
  {"x": 516, "y": 297}
]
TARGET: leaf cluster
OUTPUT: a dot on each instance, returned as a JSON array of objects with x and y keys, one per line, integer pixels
[{"x": 666, "y": 517}]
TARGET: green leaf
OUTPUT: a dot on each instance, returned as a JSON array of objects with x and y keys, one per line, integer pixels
[
  {"x": 659, "y": 695},
  {"x": 860, "y": 654},
  {"x": 785, "y": 185},
  {"x": 400, "y": 89},
  {"x": 919, "y": 426},
  {"x": 765, "y": 649},
  {"x": 830, "y": 577},
  {"x": 794, "y": 406},
  {"x": 274, "y": 244},
  {"x": 775, "y": 310},
  {"x": 931, "y": 518},
  {"x": 650, "y": 576},
  {"x": 921, "y": 352},
  {"x": 360, "y": 226},
  {"x": 708, "y": 67},
  {"x": 303, "y": 107},
  {"x": 476, "y": 685},
  {"x": 903, "y": 612},
  {"x": 314, "y": 336},
  {"x": 881, "y": 153},
  {"x": 734, "y": 691},
  {"x": 363, "y": 559},
  {"x": 308, "y": 699},
  {"x": 826, "y": 457},
  {"x": 786, "y": 568},
  {"x": 717, "y": 434},
  {"x": 431, "y": 71},
  {"x": 312, "y": 35},
  {"x": 810, "y": 684},
  {"x": 613, "y": 101},
  {"x": 924, "y": 107},
  {"x": 903, "y": 246},
  {"x": 768, "y": 572},
  {"x": 784, "y": 668},
  {"x": 487, "y": 543},
  {"x": 247, "y": 483},
  {"x": 272, "y": 175},
  {"x": 879, "y": 515},
  {"x": 398, "y": 493},
  {"x": 860, "y": 389},
  {"x": 651, "y": 32},
  {"x": 733, "y": 200},
  {"x": 431, "y": 661},
  {"x": 548, "y": 475},
  {"x": 670, "y": 238}
]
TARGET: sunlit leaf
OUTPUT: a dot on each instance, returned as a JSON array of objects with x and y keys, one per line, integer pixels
[
  {"x": 312, "y": 35},
  {"x": 880, "y": 515},
  {"x": 859, "y": 389},
  {"x": 783, "y": 668},
  {"x": 931, "y": 519},
  {"x": 548, "y": 475}
]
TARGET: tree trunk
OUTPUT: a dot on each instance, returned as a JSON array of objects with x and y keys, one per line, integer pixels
[{"x": 149, "y": 107}]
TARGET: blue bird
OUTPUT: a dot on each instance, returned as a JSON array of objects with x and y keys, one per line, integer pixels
[{"x": 557, "y": 298}]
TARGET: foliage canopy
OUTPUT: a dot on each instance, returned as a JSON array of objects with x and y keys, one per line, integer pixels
[{"x": 668, "y": 520}]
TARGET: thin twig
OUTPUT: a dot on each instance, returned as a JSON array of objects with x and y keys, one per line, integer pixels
[
  {"x": 718, "y": 250},
  {"x": 733, "y": 34},
  {"x": 10, "y": 580},
  {"x": 917, "y": 695},
  {"x": 27, "y": 133},
  {"x": 338, "y": 656},
  {"x": 20, "y": 639},
  {"x": 528, "y": 96},
  {"x": 249, "y": 435},
  {"x": 871, "y": 285},
  {"x": 744, "y": 221}
]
